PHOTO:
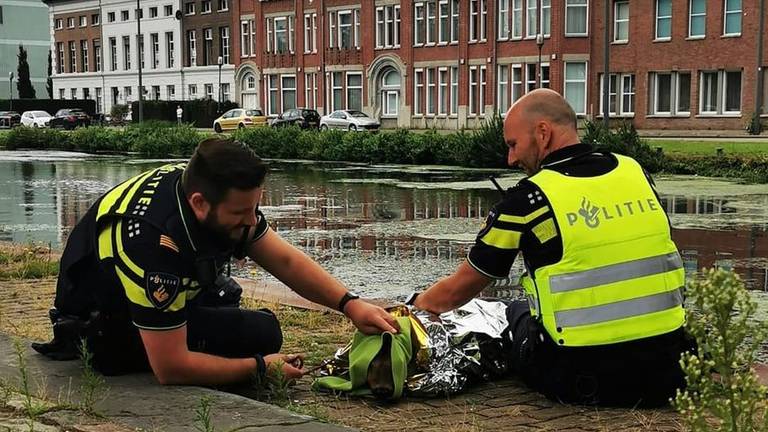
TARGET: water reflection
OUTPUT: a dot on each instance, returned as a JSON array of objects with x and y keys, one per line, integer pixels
[{"x": 384, "y": 231}]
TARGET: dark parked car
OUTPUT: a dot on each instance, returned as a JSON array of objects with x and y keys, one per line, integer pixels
[
  {"x": 9, "y": 119},
  {"x": 302, "y": 117},
  {"x": 70, "y": 118}
]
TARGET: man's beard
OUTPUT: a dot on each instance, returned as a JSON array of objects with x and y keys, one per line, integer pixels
[{"x": 220, "y": 234}]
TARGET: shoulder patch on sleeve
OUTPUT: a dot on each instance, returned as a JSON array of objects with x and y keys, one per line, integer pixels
[
  {"x": 493, "y": 215},
  {"x": 168, "y": 243},
  {"x": 162, "y": 288}
]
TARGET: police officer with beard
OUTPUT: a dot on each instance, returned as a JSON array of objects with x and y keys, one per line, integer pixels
[
  {"x": 602, "y": 323},
  {"x": 143, "y": 281}
]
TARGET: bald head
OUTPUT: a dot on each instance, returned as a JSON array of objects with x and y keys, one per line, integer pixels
[
  {"x": 544, "y": 104},
  {"x": 538, "y": 124}
]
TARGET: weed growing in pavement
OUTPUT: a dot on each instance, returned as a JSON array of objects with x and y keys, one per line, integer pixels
[
  {"x": 203, "y": 415},
  {"x": 93, "y": 387},
  {"x": 723, "y": 393},
  {"x": 31, "y": 408}
]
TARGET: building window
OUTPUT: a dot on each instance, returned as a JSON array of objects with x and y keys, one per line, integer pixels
[
  {"x": 517, "y": 19},
  {"x": 354, "y": 91},
  {"x": 124, "y": 15},
  {"x": 209, "y": 91},
  {"x": 127, "y": 94},
  {"x": 192, "y": 91},
  {"x": 71, "y": 22},
  {"x": 140, "y": 43},
  {"x": 155, "y": 40},
  {"x": 431, "y": 93},
  {"x": 189, "y": 8},
  {"x": 169, "y": 48},
  {"x": 224, "y": 43},
  {"x": 62, "y": 95},
  {"x": 444, "y": 21},
  {"x": 663, "y": 19},
  {"x": 60, "y": 55},
  {"x": 431, "y": 23},
  {"x": 621, "y": 21},
  {"x": 669, "y": 93},
  {"x": 205, "y": 7},
  {"x": 155, "y": 92},
  {"x": 223, "y": 5},
  {"x": 59, "y": 24},
  {"x": 99, "y": 100},
  {"x": 288, "y": 91},
  {"x": 126, "y": 52},
  {"x": 83, "y": 21},
  {"x": 153, "y": 12},
  {"x": 168, "y": 10},
  {"x": 732, "y": 21},
  {"x": 477, "y": 91},
  {"x": 478, "y": 14},
  {"x": 345, "y": 29},
  {"x": 225, "y": 92},
  {"x": 95, "y": 19},
  {"x": 72, "y": 57},
  {"x": 536, "y": 24},
  {"x": 86, "y": 93},
  {"x": 420, "y": 27},
  {"x": 191, "y": 48},
  {"x": 697, "y": 18},
  {"x": 208, "y": 47},
  {"x": 140, "y": 14},
  {"x": 110, "y": 17},
  {"x": 310, "y": 90},
  {"x": 621, "y": 94},
  {"x": 517, "y": 83},
  {"x": 113, "y": 53},
  {"x": 502, "y": 83},
  {"x": 310, "y": 33},
  {"x": 720, "y": 93},
  {"x": 531, "y": 80},
  {"x": 73, "y": 93},
  {"x": 576, "y": 86},
  {"x": 576, "y": 17},
  {"x": 388, "y": 26},
  {"x": 97, "y": 53},
  {"x": 271, "y": 83},
  {"x": 503, "y": 20},
  {"x": 280, "y": 34},
  {"x": 390, "y": 94},
  {"x": 442, "y": 91},
  {"x": 246, "y": 40},
  {"x": 337, "y": 88},
  {"x": 418, "y": 92},
  {"x": 170, "y": 91},
  {"x": 84, "y": 56}
]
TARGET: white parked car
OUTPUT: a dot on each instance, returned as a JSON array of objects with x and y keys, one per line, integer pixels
[
  {"x": 36, "y": 119},
  {"x": 349, "y": 120}
]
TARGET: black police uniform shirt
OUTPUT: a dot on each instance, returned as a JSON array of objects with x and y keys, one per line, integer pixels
[
  {"x": 171, "y": 278},
  {"x": 540, "y": 244}
]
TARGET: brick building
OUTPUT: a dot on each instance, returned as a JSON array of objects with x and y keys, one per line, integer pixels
[{"x": 450, "y": 63}]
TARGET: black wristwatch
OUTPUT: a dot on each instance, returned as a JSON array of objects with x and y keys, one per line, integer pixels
[{"x": 346, "y": 299}]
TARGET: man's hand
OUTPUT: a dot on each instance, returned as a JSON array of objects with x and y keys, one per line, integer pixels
[
  {"x": 292, "y": 365},
  {"x": 370, "y": 319}
]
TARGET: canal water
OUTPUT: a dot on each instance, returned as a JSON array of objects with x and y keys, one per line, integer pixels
[{"x": 383, "y": 230}]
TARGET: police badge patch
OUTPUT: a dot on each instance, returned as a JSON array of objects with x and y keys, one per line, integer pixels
[
  {"x": 489, "y": 221},
  {"x": 162, "y": 289}
]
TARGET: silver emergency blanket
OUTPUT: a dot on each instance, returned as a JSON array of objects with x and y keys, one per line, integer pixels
[{"x": 456, "y": 348}]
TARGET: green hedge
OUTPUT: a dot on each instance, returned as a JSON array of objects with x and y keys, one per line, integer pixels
[{"x": 480, "y": 148}]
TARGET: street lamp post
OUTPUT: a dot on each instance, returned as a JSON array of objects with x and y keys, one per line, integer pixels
[
  {"x": 218, "y": 103},
  {"x": 539, "y": 43},
  {"x": 10, "y": 90},
  {"x": 140, "y": 58}
]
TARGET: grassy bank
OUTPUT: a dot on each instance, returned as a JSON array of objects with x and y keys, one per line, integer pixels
[{"x": 482, "y": 148}]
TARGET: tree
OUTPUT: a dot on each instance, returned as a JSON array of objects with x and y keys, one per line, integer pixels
[
  {"x": 49, "y": 82},
  {"x": 23, "y": 84}
]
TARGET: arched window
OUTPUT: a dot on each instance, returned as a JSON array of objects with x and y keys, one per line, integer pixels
[
  {"x": 249, "y": 82},
  {"x": 390, "y": 93}
]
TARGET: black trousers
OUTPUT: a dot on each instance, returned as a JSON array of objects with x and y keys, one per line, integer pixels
[
  {"x": 644, "y": 372},
  {"x": 224, "y": 331}
]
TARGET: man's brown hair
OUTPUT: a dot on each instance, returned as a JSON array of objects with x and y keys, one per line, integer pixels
[{"x": 219, "y": 165}]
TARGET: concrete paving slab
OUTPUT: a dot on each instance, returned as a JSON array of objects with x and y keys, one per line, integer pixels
[{"x": 139, "y": 402}]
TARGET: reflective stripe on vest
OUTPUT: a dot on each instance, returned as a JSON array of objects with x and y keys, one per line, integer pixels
[{"x": 620, "y": 277}]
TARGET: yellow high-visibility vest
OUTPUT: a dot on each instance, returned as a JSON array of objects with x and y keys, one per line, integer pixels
[{"x": 621, "y": 277}]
